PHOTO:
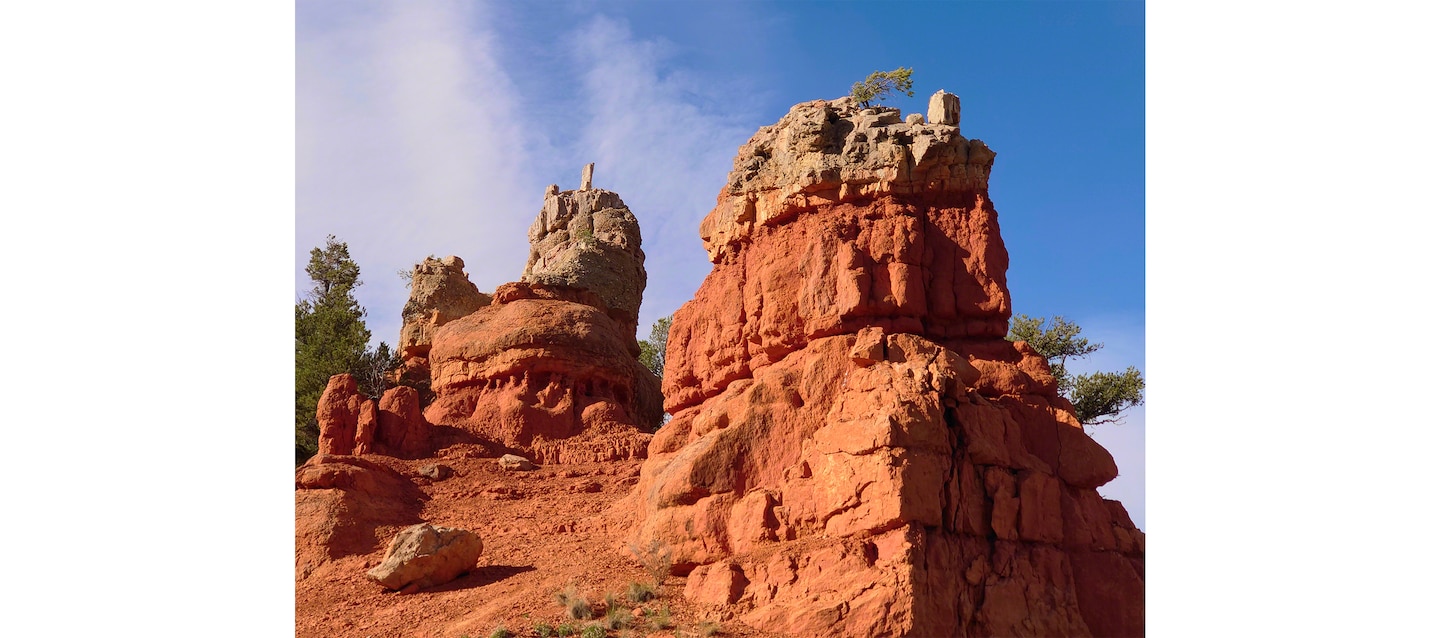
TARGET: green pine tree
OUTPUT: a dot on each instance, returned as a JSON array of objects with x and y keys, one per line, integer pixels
[
  {"x": 331, "y": 338},
  {"x": 652, "y": 350},
  {"x": 1098, "y": 398}
]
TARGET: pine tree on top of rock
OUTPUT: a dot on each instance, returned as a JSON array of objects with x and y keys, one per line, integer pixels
[{"x": 880, "y": 84}]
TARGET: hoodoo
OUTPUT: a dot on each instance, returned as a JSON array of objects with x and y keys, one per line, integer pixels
[
  {"x": 549, "y": 366},
  {"x": 439, "y": 293},
  {"x": 855, "y": 448}
]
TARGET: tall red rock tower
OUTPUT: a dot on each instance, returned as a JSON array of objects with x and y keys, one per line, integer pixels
[{"x": 855, "y": 448}]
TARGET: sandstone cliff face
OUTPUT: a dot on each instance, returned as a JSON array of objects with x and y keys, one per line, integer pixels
[
  {"x": 550, "y": 367},
  {"x": 589, "y": 239},
  {"x": 855, "y": 448},
  {"x": 439, "y": 293}
]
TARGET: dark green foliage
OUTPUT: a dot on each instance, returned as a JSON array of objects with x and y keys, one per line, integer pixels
[
  {"x": 880, "y": 84},
  {"x": 652, "y": 350},
  {"x": 1099, "y": 397},
  {"x": 1055, "y": 339},
  {"x": 616, "y": 617},
  {"x": 373, "y": 369},
  {"x": 331, "y": 338}
]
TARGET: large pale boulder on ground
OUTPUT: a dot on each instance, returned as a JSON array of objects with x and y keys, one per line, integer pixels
[
  {"x": 425, "y": 556},
  {"x": 855, "y": 449}
]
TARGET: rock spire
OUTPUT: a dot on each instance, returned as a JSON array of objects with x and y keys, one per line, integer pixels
[{"x": 855, "y": 448}]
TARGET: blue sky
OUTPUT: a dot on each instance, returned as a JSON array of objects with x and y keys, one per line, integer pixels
[{"x": 434, "y": 127}]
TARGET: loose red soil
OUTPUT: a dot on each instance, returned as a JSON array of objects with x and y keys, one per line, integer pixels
[{"x": 543, "y": 530}]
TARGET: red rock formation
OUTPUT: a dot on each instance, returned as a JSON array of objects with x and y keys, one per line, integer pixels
[
  {"x": 344, "y": 505},
  {"x": 855, "y": 449},
  {"x": 539, "y": 368},
  {"x": 402, "y": 433},
  {"x": 439, "y": 293},
  {"x": 353, "y": 424},
  {"x": 338, "y": 415},
  {"x": 550, "y": 367}
]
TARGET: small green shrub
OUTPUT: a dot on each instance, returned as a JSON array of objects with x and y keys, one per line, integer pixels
[
  {"x": 657, "y": 560},
  {"x": 544, "y": 630},
  {"x": 501, "y": 632},
  {"x": 708, "y": 628},
  {"x": 593, "y": 631},
  {"x": 575, "y": 604},
  {"x": 660, "y": 619},
  {"x": 616, "y": 616},
  {"x": 639, "y": 592},
  {"x": 565, "y": 630}
]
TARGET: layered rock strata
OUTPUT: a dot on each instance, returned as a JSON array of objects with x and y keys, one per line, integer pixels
[
  {"x": 856, "y": 450},
  {"x": 550, "y": 367},
  {"x": 440, "y": 292}
]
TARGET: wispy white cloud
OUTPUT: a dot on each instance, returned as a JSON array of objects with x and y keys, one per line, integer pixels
[
  {"x": 665, "y": 140},
  {"x": 415, "y": 139},
  {"x": 410, "y": 142}
]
